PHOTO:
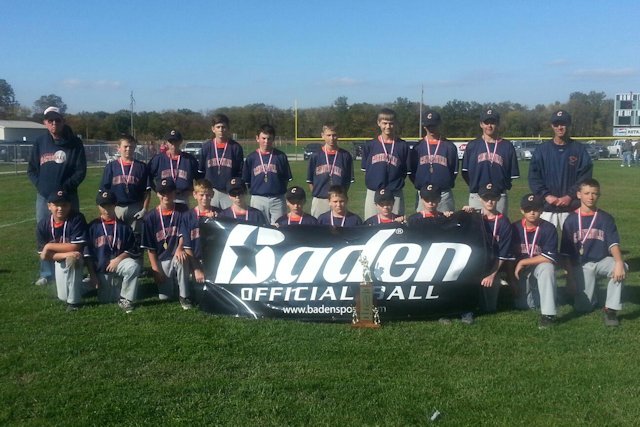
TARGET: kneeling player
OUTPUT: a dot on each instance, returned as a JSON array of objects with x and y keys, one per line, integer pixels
[
  {"x": 239, "y": 209},
  {"x": 295, "y": 198},
  {"x": 430, "y": 195},
  {"x": 384, "y": 201},
  {"x": 339, "y": 216}
]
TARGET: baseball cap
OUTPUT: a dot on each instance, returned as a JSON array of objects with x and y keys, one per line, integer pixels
[
  {"x": 490, "y": 114},
  {"x": 173, "y": 136},
  {"x": 52, "y": 113},
  {"x": 236, "y": 186},
  {"x": 531, "y": 202},
  {"x": 105, "y": 197},
  {"x": 561, "y": 117},
  {"x": 489, "y": 192},
  {"x": 165, "y": 185},
  {"x": 430, "y": 192},
  {"x": 295, "y": 194},
  {"x": 59, "y": 196},
  {"x": 431, "y": 118},
  {"x": 383, "y": 195}
]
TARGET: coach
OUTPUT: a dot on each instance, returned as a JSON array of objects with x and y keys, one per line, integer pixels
[{"x": 57, "y": 162}]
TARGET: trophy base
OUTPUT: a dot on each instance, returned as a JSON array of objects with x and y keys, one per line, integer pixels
[{"x": 366, "y": 324}]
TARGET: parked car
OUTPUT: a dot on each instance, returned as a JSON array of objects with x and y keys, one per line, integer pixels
[
  {"x": 357, "y": 149},
  {"x": 525, "y": 149},
  {"x": 602, "y": 150},
  {"x": 310, "y": 148},
  {"x": 593, "y": 152},
  {"x": 193, "y": 148}
]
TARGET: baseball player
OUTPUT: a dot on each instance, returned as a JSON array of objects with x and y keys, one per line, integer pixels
[
  {"x": 557, "y": 166},
  {"x": 61, "y": 238},
  {"x": 239, "y": 210},
  {"x": 384, "y": 203},
  {"x": 339, "y": 216},
  {"x": 591, "y": 248},
  {"x": 267, "y": 173},
  {"x": 434, "y": 160},
  {"x": 177, "y": 166},
  {"x": 162, "y": 237},
  {"x": 384, "y": 162},
  {"x": 220, "y": 160},
  {"x": 329, "y": 166},
  {"x": 490, "y": 159},
  {"x": 296, "y": 197},
  {"x": 535, "y": 246},
  {"x": 111, "y": 250},
  {"x": 128, "y": 179},
  {"x": 430, "y": 197}
]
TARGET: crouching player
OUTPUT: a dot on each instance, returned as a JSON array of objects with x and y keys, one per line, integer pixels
[
  {"x": 61, "y": 238},
  {"x": 430, "y": 196},
  {"x": 591, "y": 248},
  {"x": 384, "y": 201},
  {"x": 239, "y": 210},
  {"x": 295, "y": 197},
  {"x": 339, "y": 216},
  {"x": 111, "y": 246},
  {"x": 535, "y": 247},
  {"x": 162, "y": 236}
]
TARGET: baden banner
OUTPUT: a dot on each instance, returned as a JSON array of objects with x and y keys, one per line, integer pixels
[{"x": 311, "y": 272}]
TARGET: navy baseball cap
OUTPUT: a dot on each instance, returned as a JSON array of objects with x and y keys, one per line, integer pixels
[
  {"x": 489, "y": 192},
  {"x": 52, "y": 113},
  {"x": 236, "y": 186},
  {"x": 561, "y": 117},
  {"x": 295, "y": 194},
  {"x": 531, "y": 202},
  {"x": 383, "y": 195},
  {"x": 173, "y": 136},
  {"x": 59, "y": 196},
  {"x": 165, "y": 185},
  {"x": 430, "y": 192},
  {"x": 490, "y": 114},
  {"x": 431, "y": 118},
  {"x": 106, "y": 197}
]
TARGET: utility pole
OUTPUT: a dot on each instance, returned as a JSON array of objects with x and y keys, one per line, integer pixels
[{"x": 132, "y": 101}]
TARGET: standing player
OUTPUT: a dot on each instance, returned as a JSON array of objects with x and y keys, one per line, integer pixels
[
  {"x": 384, "y": 162},
  {"x": 591, "y": 246},
  {"x": 177, "y": 166},
  {"x": 330, "y": 166},
  {"x": 535, "y": 245},
  {"x": 128, "y": 179},
  {"x": 267, "y": 173},
  {"x": 220, "y": 160},
  {"x": 111, "y": 246},
  {"x": 490, "y": 159},
  {"x": 339, "y": 216},
  {"x": 557, "y": 166},
  {"x": 434, "y": 160},
  {"x": 296, "y": 197}
]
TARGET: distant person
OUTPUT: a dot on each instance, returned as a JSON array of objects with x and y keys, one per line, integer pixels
[
  {"x": 627, "y": 153},
  {"x": 556, "y": 168},
  {"x": 434, "y": 160},
  {"x": 57, "y": 161},
  {"x": 329, "y": 166},
  {"x": 267, "y": 172},
  {"x": 385, "y": 163},
  {"x": 221, "y": 159},
  {"x": 490, "y": 160}
]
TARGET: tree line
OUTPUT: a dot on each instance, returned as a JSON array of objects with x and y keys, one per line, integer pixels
[{"x": 592, "y": 116}]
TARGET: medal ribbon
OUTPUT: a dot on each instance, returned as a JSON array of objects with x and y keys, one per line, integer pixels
[
  {"x": 128, "y": 176},
  {"x": 492, "y": 156},
  {"x": 53, "y": 230},
  {"x": 246, "y": 214},
  {"x": 343, "y": 219},
  {"x": 174, "y": 175},
  {"x": 164, "y": 230},
  {"x": 112, "y": 245},
  {"x": 593, "y": 221},
  {"x": 526, "y": 240},
  {"x": 390, "y": 153},
  {"x": 333, "y": 165},
  {"x": 215, "y": 150},
  {"x": 431, "y": 157},
  {"x": 265, "y": 169}
]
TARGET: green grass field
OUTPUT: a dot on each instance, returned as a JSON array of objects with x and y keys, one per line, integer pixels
[{"x": 161, "y": 365}]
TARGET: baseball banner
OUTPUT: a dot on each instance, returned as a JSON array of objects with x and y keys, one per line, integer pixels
[{"x": 312, "y": 272}]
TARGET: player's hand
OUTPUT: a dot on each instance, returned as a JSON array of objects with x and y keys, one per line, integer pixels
[
  {"x": 400, "y": 219},
  {"x": 159, "y": 277},
  {"x": 552, "y": 200},
  {"x": 517, "y": 270},
  {"x": 487, "y": 282},
  {"x": 468, "y": 209},
  {"x": 618, "y": 272},
  {"x": 180, "y": 256},
  {"x": 113, "y": 265},
  {"x": 563, "y": 201},
  {"x": 447, "y": 213},
  {"x": 198, "y": 274},
  {"x": 140, "y": 213}
]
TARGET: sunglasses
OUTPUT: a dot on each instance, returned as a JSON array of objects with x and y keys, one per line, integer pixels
[{"x": 54, "y": 120}]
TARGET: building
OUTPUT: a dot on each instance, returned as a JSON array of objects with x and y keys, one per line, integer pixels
[
  {"x": 626, "y": 115},
  {"x": 13, "y": 131}
]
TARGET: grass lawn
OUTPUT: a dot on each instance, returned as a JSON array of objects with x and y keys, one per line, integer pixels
[{"x": 161, "y": 365}]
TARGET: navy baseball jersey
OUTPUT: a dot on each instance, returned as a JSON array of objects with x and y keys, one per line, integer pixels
[
  {"x": 500, "y": 232},
  {"x": 305, "y": 219},
  {"x": 326, "y": 169},
  {"x": 494, "y": 163},
  {"x": 434, "y": 163},
  {"x": 385, "y": 165},
  {"x": 191, "y": 239},
  {"x": 129, "y": 181},
  {"x": 73, "y": 230},
  {"x": 378, "y": 220},
  {"x": 557, "y": 169},
  {"x": 182, "y": 168},
  {"x": 109, "y": 239},
  {"x": 219, "y": 162},
  {"x": 540, "y": 240},
  {"x": 589, "y": 238},
  {"x": 425, "y": 217},
  {"x": 251, "y": 216},
  {"x": 161, "y": 232},
  {"x": 349, "y": 220},
  {"x": 267, "y": 174}
]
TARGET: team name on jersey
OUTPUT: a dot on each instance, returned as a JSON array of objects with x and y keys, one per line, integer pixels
[
  {"x": 593, "y": 234},
  {"x": 100, "y": 241},
  {"x": 537, "y": 250},
  {"x": 321, "y": 169},
  {"x": 171, "y": 231},
  {"x": 393, "y": 160},
  {"x": 224, "y": 162},
  {"x": 122, "y": 179},
  {"x": 436, "y": 160},
  {"x": 486, "y": 157},
  {"x": 166, "y": 173},
  {"x": 259, "y": 169},
  {"x": 195, "y": 233}
]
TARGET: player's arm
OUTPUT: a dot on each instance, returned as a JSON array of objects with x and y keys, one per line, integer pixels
[
  {"x": 156, "y": 268},
  {"x": 487, "y": 281},
  {"x": 59, "y": 251},
  {"x": 619, "y": 272},
  {"x": 196, "y": 267},
  {"x": 529, "y": 262}
]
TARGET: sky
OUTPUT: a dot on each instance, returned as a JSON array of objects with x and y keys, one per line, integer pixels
[{"x": 203, "y": 55}]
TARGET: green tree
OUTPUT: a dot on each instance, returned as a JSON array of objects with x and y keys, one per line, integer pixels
[
  {"x": 46, "y": 101},
  {"x": 8, "y": 103}
]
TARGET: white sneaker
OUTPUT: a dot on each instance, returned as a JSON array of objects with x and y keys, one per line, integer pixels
[{"x": 43, "y": 281}]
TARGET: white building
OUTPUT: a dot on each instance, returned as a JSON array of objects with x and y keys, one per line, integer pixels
[
  {"x": 626, "y": 115},
  {"x": 20, "y": 130}
]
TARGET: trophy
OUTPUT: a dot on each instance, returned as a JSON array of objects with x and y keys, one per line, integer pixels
[{"x": 365, "y": 314}]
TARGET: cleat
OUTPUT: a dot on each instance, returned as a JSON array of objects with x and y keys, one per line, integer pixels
[
  {"x": 73, "y": 307},
  {"x": 43, "y": 281},
  {"x": 546, "y": 322},
  {"x": 125, "y": 305},
  {"x": 186, "y": 303},
  {"x": 611, "y": 317}
]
